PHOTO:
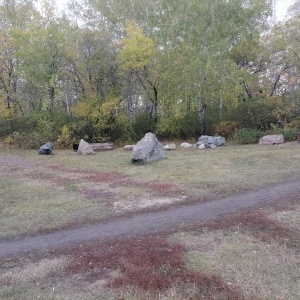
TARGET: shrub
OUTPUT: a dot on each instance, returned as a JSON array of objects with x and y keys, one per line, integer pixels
[
  {"x": 289, "y": 133},
  {"x": 248, "y": 136},
  {"x": 261, "y": 113},
  {"x": 31, "y": 140},
  {"x": 142, "y": 124},
  {"x": 183, "y": 126},
  {"x": 226, "y": 128},
  {"x": 293, "y": 124},
  {"x": 66, "y": 138}
]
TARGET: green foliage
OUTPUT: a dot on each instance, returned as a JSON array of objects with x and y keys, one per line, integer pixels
[
  {"x": 289, "y": 133},
  {"x": 167, "y": 60},
  {"x": 261, "y": 113},
  {"x": 32, "y": 135},
  {"x": 184, "y": 126},
  {"x": 141, "y": 125},
  {"x": 226, "y": 128},
  {"x": 248, "y": 136},
  {"x": 294, "y": 124},
  {"x": 112, "y": 125},
  {"x": 138, "y": 50},
  {"x": 66, "y": 138},
  {"x": 102, "y": 121},
  {"x": 32, "y": 140}
]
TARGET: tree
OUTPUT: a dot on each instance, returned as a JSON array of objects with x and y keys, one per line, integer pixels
[
  {"x": 137, "y": 59},
  {"x": 15, "y": 17}
]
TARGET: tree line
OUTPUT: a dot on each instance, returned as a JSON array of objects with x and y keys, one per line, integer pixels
[{"x": 114, "y": 70}]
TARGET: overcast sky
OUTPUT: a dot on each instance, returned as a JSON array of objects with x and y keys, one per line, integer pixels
[{"x": 281, "y": 8}]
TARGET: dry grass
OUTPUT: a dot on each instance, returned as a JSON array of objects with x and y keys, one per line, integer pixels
[
  {"x": 255, "y": 252},
  {"x": 246, "y": 256},
  {"x": 47, "y": 192}
]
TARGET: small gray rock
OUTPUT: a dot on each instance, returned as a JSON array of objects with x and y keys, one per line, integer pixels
[
  {"x": 128, "y": 147},
  {"x": 46, "y": 149},
  {"x": 201, "y": 146},
  {"x": 171, "y": 146},
  {"x": 186, "y": 145}
]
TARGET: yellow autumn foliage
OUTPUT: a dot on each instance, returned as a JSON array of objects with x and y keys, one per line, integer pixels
[
  {"x": 137, "y": 49},
  {"x": 5, "y": 112}
]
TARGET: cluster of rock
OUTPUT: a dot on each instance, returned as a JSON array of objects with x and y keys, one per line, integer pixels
[
  {"x": 206, "y": 141},
  {"x": 83, "y": 148},
  {"x": 149, "y": 149}
]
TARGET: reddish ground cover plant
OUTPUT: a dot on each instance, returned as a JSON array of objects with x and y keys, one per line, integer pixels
[
  {"x": 151, "y": 264},
  {"x": 261, "y": 227}
]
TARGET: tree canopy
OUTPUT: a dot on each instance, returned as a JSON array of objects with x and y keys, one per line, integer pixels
[{"x": 113, "y": 70}]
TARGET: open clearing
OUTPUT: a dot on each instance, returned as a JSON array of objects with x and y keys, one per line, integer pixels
[{"x": 220, "y": 224}]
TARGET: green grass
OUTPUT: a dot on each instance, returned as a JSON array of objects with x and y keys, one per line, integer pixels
[
  {"x": 262, "y": 270},
  {"x": 247, "y": 256},
  {"x": 221, "y": 260},
  {"x": 46, "y": 192}
]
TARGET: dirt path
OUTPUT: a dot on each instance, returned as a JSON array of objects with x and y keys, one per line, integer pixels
[{"x": 153, "y": 222}]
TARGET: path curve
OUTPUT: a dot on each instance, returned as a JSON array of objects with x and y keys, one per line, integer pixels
[{"x": 152, "y": 222}]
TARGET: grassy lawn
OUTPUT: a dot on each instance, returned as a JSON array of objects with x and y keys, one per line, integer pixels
[
  {"x": 245, "y": 256},
  {"x": 39, "y": 193}
]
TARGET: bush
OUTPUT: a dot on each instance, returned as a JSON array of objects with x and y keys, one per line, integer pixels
[
  {"x": 142, "y": 124},
  {"x": 226, "y": 128},
  {"x": 184, "y": 126},
  {"x": 248, "y": 136},
  {"x": 261, "y": 113},
  {"x": 293, "y": 124},
  {"x": 289, "y": 133},
  {"x": 31, "y": 140},
  {"x": 65, "y": 139}
]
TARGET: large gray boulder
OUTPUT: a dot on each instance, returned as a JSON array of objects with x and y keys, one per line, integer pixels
[
  {"x": 46, "y": 149},
  {"x": 272, "y": 139},
  {"x": 210, "y": 141},
  {"x": 84, "y": 148},
  {"x": 148, "y": 149}
]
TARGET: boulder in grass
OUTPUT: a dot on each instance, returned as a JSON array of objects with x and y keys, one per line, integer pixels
[
  {"x": 147, "y": 150},
  {"x": 84, "y": 148},
  {"x": 46, "y": 149},
  {"x": 128, "y": 147},
  {"x": 272, "y": 139},
  {"x": 210, "y": 141},
  {"x": 171, "y": 146},
  {"x": 186, "y": 145}
]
